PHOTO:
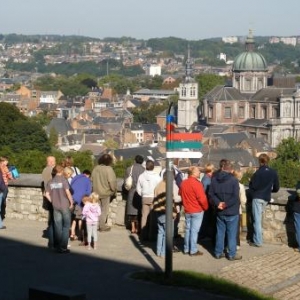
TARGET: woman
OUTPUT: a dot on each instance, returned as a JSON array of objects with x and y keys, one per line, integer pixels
[{"x": 134, "y": 201}]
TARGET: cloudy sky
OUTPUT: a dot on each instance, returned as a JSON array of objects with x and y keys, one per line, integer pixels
[{"x": 188, "y": 19}]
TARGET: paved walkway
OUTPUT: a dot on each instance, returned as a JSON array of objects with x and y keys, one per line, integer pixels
[{"x": 104, "y": 273}]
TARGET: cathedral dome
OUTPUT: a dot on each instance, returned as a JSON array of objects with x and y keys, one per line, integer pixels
[{"x": 249, "y": 60}]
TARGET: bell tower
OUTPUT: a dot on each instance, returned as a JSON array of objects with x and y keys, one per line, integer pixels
[{"x": 188, "y": 102}]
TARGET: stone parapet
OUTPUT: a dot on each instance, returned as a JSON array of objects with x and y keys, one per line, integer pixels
[{"x": 25, "y": 202}]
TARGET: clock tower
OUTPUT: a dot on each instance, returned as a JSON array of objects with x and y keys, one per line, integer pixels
[{"x": 187, "y": 113}]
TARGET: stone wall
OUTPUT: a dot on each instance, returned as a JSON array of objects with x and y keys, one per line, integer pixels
[{"x": 25, "y": 202}]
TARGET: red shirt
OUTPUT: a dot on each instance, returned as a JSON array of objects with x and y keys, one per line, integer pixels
[{"x": 193, "y": 196}]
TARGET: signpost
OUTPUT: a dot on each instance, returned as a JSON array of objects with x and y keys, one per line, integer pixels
[{"x": 186, "y": 143}]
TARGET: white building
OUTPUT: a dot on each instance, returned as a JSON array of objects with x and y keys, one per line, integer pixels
[{"x": 153, "y": 70}]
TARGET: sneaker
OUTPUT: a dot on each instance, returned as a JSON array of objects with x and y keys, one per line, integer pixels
[
  {"x": 222, "y": 255},
  {"x": 254, "y": 245},
  {"x": 198, "y": 253},
  {"x": 104, "y": 229},
  {"x": 236, "y": 257},
  {"x": 296, "y": 249},
  {"x": 3, "y": 227}
]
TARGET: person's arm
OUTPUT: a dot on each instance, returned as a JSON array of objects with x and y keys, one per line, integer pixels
[
  {"x": 70, "y": 198},
  {"x": 276, "y": 185},
  {"x": 201, "y": 196}
]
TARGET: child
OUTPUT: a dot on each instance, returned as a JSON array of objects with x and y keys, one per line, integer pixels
[{"x": 91, "y": 212}]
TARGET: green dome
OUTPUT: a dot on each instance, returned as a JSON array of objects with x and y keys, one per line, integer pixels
[{"x": 250, "y": 61}]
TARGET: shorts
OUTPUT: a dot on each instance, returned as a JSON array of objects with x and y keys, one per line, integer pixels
[{"x": 78, "y": 212}]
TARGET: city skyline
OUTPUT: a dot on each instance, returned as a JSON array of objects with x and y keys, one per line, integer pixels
[{"x": 192, "y": 19}]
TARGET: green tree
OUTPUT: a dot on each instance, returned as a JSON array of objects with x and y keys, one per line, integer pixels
[
  {"x": 53, "y": 137},
  {"x": 207, "y": 82},
  {"x": 111, "y": 144}
]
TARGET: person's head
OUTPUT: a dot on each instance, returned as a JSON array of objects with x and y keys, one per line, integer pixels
[
  {"x": 209, "y": 168},
  {"x": 194, "y": 171},
  {"x": 105, "y": 160},
  {"x": 4, "y": 160},
  {"x": 237, "y": 174},
  {"x": 86, "y": 199},
  {"x": 68, "y": 172},
  {"x": 68, "y": 162},
  {"x": 263, "y": 159},
  {"x": 87, "y": 173},
  {"x": 51, "y": 161},
  {"x": 227, "y": 166},
  {"x": 139, "y": 159},
  {"x": 58, "y": 170},
  {"x": 149, "y": 165},
  {"x": 222, "y": 163},
  {"x": 94, "y": 197}
]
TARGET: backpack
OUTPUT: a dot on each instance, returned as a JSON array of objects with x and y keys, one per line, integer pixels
[
  {"x": 14, "y": 172},
  {"x": 178, "y": 177}
]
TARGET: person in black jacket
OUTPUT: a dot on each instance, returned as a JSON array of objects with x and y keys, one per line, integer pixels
[
  {"x": 263, "y": 182},
  {"x": 2, "y": 191},
  {"x": 224, "y": 194}
]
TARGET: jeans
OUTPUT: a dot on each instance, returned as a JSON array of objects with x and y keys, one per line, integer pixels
[
  {"x": 1, "y": 199},
  {"x": 3, "y": 204},
  {"x": 161, "y": 235},
  {"x": 226, "y": 225},
  {"x": 297, "y": 227},
  {"x": 51, "y": 229},
  {"x": 192, "y": 226},
  {"x": 62, "y": 224},
  {"x": 92, "y": 232},
  {"x": 258, "y": 207}
]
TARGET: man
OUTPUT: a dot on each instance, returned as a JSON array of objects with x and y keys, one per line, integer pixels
[
  {"x": 263, "y": 182},
  {"x": 58, "y": 193},
  {"x": 224, "y": 193},
  {"x": 104, "y": 182},
  {"x": 146, "y": 184},
  {"x": 46, "y": 177},
  {"x": 195, "y": 203},
  {"x": 81, "y": 186}
]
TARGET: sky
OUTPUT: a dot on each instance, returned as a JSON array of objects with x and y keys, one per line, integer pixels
[{"x": 145, "y": 19}]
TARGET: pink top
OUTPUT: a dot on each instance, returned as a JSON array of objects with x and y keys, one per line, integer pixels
[{"x": 91, "y": 212}]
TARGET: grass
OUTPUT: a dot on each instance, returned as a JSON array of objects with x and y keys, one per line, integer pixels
[{"x": 203, "y": 282}]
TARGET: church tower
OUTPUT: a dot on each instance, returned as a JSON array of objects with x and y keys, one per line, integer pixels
[{"x": 187, "y": 113}]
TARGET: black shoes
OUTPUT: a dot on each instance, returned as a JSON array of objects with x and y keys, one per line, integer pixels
[
  {"x": 3, "y": 227},
  {"x": 254, "y": 245},
  {"x": 63, "y": 251}
]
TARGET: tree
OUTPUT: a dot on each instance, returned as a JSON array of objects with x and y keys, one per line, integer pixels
[
  {"x": 53, "y": 137},
  {"x": 207, "y": 82},
  {"x": 288, "y": 149},
  {"x": 111, "y": 144}
]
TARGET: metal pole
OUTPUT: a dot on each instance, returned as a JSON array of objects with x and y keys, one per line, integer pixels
[{"x": 169, "y": 204}]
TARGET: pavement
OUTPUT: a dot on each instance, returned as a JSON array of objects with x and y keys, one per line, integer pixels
[{"x": 105, "y": 273}]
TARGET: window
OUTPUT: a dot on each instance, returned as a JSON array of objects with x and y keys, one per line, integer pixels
[
  {"x": 247, "y": 85},
  {"x": 227, "y": 112},
  {"x": 192, "y": 91},
  {"x": 242, "y": 112},
  {"x": 252, "y": 112},
  {"x": 210, "y": 112},
  {"x": 183, "y": 92},
  {"x": 275, "y": 112},
  {"x": 264, "y": 112}
]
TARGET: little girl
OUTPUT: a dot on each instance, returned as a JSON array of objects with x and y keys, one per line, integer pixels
[{"x": 91, "y": 212}]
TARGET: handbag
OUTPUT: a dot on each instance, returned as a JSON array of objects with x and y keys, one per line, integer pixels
[{"x": 129, "y": 181}]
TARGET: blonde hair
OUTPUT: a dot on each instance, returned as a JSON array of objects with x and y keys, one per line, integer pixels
[
  {"x": 68, "y": 171},
  {"x": 209, "y": 167},
  {"x": 94, "y": 197},
  {"x": 237, "y": 174}
]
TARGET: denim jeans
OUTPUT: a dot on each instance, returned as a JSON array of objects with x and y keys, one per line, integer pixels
[
  {"x": 192, "y": 226},
  {"x": 62, "y": 224},
  {"x": 161, "y": 235},
  {"x": 104, "y": 204},
  {"x": 258, "y": 207},
  {"x": 226, "y": 225},
  {"x": 297, "y": 227},
  {"x": 92, "y": 232},
  {"x": 1, "y": 199}
]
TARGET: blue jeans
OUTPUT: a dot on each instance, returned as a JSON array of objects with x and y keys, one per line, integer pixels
[
  {"x": 226, "y": 225},
  {"x": 297, "y": 227},
  {"x": 161, "y": 235},
  {"x": 258, "y": 207},
  {"x": 192, "y": 226},
  {"x": 62, "y": 224},
  {"x": 1, "y": 198}
]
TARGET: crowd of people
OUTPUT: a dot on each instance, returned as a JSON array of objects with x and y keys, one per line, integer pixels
[
  {"x": 77, "y": 203},
  {"x": 212, "y": 203}
]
